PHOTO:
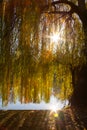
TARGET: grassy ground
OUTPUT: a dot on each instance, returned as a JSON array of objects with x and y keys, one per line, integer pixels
[{"x": 66, "y": 119}]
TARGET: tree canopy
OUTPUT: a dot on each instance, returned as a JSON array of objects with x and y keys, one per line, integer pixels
[{"x": 31, "y": 61}]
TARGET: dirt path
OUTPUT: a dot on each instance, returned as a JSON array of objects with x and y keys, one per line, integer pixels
[{"x": 67, "y": 119}]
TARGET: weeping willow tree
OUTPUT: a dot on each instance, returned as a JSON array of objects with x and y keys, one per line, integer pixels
[
  {"x": 68, "y": 57},
  {"x": 31, "y": 61},
  {"x": 77, "y": 10}
]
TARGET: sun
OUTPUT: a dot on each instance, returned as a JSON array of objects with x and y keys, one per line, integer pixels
[
  {"x": 54, "y": 41},
  {"x": 55, "y": 38}
]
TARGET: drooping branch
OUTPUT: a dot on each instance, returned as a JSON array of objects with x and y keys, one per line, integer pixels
[
  {"x": 73, "y": 8},
  {"x": 72, "y": 5},
  {"x": 79, "y": 9}
]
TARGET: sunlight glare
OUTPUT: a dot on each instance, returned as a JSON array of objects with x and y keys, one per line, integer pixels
[
  {"x": 54, "y": 111},
  {"x": 55, "y": 38},
  {"x": 54, "y": 108}
]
